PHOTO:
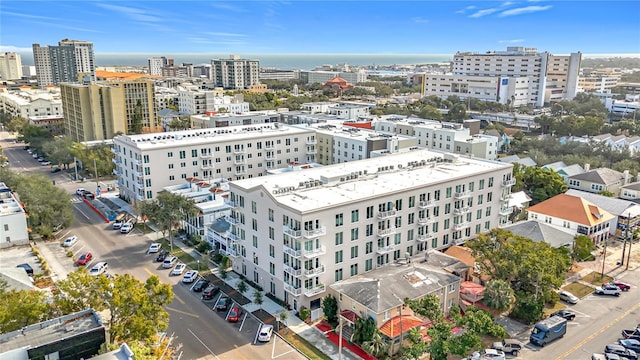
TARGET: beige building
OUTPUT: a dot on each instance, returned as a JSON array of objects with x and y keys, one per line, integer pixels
[
  {"x": 599, "y": 81},
  {"x": 296, "y": 234},
  {"x": 101, "y": 110},
  {"x": 147, "y": 163},
  {"x": 10, "y": 66},
  {"x": 235, "y": 73}
]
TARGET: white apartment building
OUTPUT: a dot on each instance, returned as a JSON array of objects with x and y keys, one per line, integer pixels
[
  {"x": 441, "y": 136},
  {"x": 13, "y": 220},
  {"x": 278, "y": 74},
  {"x": 235, "y": 73},
  {"x": 233, "y": 119},
  {"x": 28, "y": 102},
  {"x": 331, "y": 223},
  {"x": 319, "y": 76},
  {"x": 165, "y": 97},
  {"x": 63, "y": 63},
  {"x": 10, "y": 66},
  {"x": 338, "y": 144},
  {"x": 157, "y": 63},
  {"x": 524, "y": 75},
  {"x": 147, "y": 163},
  {"x": 192, "y": 100}
]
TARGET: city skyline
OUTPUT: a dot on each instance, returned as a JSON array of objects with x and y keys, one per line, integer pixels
[{"x": 408, "y": 27}]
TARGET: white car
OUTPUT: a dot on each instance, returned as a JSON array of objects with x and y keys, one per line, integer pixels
[
  {"x": 80, "y": 191},
  {"x": 178, "y": 270},
  {"x": 126, "y": 228},
  {"x": 70, "y": 241},
  {"x": 98, "y": 269},
  {"x": 190, "y": 276},
  {"x": 608, "y": 290},
  {"x": 265, "y": 333},
  {"x": 154, "y": 248},
  {"x": 488, "y": 354},
  {"x": 45, "y": 163}
]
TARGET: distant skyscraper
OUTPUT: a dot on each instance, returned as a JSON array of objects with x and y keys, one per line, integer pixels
[
  {"x": 10, "y": 66},
  {"x": 235, "y": 73},
  {"x": 157, "y": 63},
  {"x": 63, "y": 63}
]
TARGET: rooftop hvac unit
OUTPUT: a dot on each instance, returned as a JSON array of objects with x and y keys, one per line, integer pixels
[{"x": 341, "y": 179}]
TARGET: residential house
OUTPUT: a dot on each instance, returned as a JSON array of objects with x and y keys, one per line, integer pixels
[
  {"x": 576, "y": 214},
  {"x": 542, "y": 232},
  {"x": 564, "y": 170},
  {"x": 625, "y": 211},
  {"x": 630, "y": 191},
  {"x": 599, "y": 180},
  {"x": 513, "y": 159}
]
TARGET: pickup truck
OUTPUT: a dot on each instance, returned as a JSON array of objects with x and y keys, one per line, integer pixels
[{"x": 627, "y": 333}]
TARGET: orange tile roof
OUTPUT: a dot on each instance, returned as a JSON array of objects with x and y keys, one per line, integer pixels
[
  {"x": 337, "y": 79},
  {"x": 572, "y": 208},
  {"x": 461, "y": 253},
  {"x": 408, "y": 323},
  {"x": 110, "y": 75}
]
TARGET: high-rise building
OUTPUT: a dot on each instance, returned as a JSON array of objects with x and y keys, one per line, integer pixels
[
  {"x": 100, "y": 110},
  {"x": 157, "y": 63},
  {"x": 10, "y": 66},
  {"x": 235, "y": 73},
  {"x": 65, "y": 62}
]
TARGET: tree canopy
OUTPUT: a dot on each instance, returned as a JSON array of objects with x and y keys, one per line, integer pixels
[
  {"x": 539, "y": 183},
  {"x": 167, "y": 211}
]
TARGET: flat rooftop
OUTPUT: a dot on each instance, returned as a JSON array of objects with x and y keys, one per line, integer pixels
[
  {"x": 208, "y": 136},
  {"x": 50, "y": 331},
  {"x": 330, "y": 186}
]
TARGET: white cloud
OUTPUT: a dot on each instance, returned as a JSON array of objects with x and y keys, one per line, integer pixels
[
  {"x": 462, "y": 11},
  {"x": 419, "y": 20},
  {"x": 512, "y": 41},
  {"x": 524, "y": 10},
  {"x": 11, "y": 48},
  {"x": 227, "y": 7},
  {"x": 132, "y": 13},
  {"x": 485, "y": 12},
  {"x": 224, "y": 34}
]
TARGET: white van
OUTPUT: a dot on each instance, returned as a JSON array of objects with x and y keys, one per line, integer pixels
[{"x": 98, "y": 269}]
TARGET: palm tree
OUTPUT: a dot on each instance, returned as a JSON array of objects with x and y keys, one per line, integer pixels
[
  {"x": 377, "y": 345},
  {"x": 498, "y": 295}
]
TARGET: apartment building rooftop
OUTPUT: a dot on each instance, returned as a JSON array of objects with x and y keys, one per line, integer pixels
[
  {"x": 207, "y": 136},
  {"x": 8, "y": 203},
  {"x": 332, "y": 185},
  {"x": 355, "y": 132}
]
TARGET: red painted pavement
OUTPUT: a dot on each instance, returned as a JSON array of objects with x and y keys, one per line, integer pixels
[{"x": 335, "y": 338}]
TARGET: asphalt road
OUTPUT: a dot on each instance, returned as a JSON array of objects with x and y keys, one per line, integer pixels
[{"x": 199, "y": 332}]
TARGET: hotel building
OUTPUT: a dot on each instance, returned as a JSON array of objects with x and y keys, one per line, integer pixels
[
  {"x": 297, "y": 233},
  {"x": 10, "y": 66}
]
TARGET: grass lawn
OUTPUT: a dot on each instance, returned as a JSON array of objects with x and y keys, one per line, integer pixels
[
  {"x": 143, "y": 227},
  {"x": 578, "y": 289},
  {"x": 303, "y": 345},
  {"x": 557, "y": 306},
  {"x": 596, "y": 278}
]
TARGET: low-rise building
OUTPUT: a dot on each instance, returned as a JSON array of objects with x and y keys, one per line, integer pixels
[
  {"x": 27, "y": 102},
  {"x": 599, "y": 180},
  {"x": 13, "y": 219},
  {"x": 216, "y": 120}
]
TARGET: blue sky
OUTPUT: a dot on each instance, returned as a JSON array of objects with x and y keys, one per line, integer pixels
[{"x": 298, "y": 26}]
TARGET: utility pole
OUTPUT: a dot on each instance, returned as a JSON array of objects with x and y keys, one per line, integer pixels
[
  {"x": 75, "y": 166},
  {"x": 340, "y": 337},
  {"x": 626, "y": 238},
  {"x": 604, "y": 257},
  {"x": 630, "y": 242}
]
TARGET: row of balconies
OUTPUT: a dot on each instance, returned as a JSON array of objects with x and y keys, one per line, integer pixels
[
  {"x": 309, "y": 292},
  {"x": 309, "y": 254},
  {"x": 309, "y": 234},
  {"x": 306, "y": 272}
]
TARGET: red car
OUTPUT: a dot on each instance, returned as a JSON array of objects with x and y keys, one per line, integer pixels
[
  {"x": 234, "y": 314},
  {"x": 84, "y": 259},
  {"x": 621, "y": 285}
]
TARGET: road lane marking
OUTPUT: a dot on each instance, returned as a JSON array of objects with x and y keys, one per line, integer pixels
[
  {"x": 600, "y": 331},
  {"x": 182, "y": 312},
  {"x": 203, "y": 344},
  {"x": 149, "y": 271},
  {"x": 82, "y": 212}
]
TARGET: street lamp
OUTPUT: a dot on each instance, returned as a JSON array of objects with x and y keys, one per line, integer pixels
[{"x": 198, "y": 261}]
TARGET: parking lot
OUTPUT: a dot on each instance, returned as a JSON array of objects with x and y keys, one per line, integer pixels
[{"x": 20, "y": 255}]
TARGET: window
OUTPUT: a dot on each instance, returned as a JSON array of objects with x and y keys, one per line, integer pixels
[
  {"x": 339, "y": 238},
  {"x": 412, "y": 201},
  {"x": 272, "y": 268},
  {"x": 354, "y": 234},
  {"x": 338, "y": 275},
  {"x": 254, "y": 241},
  {"x": 354, "y": 269},
  {"x": 369, "y": 212},
  {"x": 272, "y": 251},
  {"x": 354, "y": 251},
  {"x": 183, "y": 154},
  {"x": 368, "y": 247},
  {"x": 339, "y": 219},
  {"x": 355, "y": 215},
  {"x": 481, "y": 184},
  {"x": 170, "y": 166},
  {"x": 270, "y": 215},
  {"x": 480, "y": 199},
  {"x": 368, "y": 265},
  {"x": 338, "y": 256},
  {"x": 369, "y": 230},
  {"x": 170, "y": 154},
  {"x": 490, "y": 182}
]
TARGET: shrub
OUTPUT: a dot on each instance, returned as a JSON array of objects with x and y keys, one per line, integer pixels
[
  {"x": 304, "y": 313},
  {"x": 203, "y": 247},
  {"x": 69, "y": 253},
  {"x": 216, "y": 257}
]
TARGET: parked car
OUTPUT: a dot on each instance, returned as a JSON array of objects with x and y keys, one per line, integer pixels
[
  {"x": 178, "y": 270},
  {"x": 169, "y": 261},
  {"x": 126, "y": 228},
  {"x": 488, "y": 354},
  {"x": 628, "y": 333},
  {"x": 508, "y": 346},
  {"x": 265, "y": 333},
  {"x": 234, "y": 314},
  {"x": 88, "y": 195},
  {"x": 568, "y": 297},
  {"x": 154, "y": 248},
  {"x": 620, "y": 351},
  {"x": 210, "y": 292},
  {"x": 200, "y": 285},
  {"x": 566, "y": 314},
  {"x": 223, "y": 303},
  {"x": 84, "y": 259},
  {"x": 631, "y": 344},
  {"x": 45, "y": 163},
  {"x": 190, "y": 276},
  {"x": 26, "y": 268},
  {"x": 70, "y": 241},
  {"x": 80, "y": 191},
  {"x": 623, "y": 286},
  {"x": 608, "y": 290},
  {"x": 56, "y": 169},
  {"x": 99, "y": 269},
  {"x": 605, "y": 357},
  {"x": 162, "y": 255}
]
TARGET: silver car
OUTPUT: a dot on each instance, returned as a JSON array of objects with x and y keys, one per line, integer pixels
[{"x": 568, "y": 297}]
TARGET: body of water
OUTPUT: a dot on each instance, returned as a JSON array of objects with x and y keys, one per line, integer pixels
[{"x": 281, "y": 61}]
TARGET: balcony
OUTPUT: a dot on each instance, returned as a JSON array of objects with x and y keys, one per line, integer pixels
[
  {"x": 205, "y": 155},
  {"x": 296, "y": 234},
  {"x": 309, "y": 254},
  {"x": 229, "y": 252},
  {"x": 505, "y": 211},
  {"x": 314, "y": 233},
  {"x": 311, "y": 151},
  {"x": 426, "y": 204},
  {"x": 269, "y": 146},
  {"x": 138, "y": 174},
  {"x": 386, "y": 232},
  {"x": 385, "y": 249},
  {"x": 231, "y": 204},
  {"x": 231, "y": 220},
  {"x": 206, "y": 166},
  {"x": 137, "y": 162},
  {"x": 269, "y": 156},
  {"x": 386, "y": 214},
  {"x": 314, "y": 272},
  {"x": 315, "y": 290},
  {"x": 117, "y": 172},
  {"x": 311, "y": 141},
  {"x": 461, "y": 211},
  {"x": 231, "y": 236},
  {"x": 238, "y": 151},
  {"x": 292, "y": 290},
  {"x": 426, "y": 220},
  {"x": 139, "y": 185},
  {"x": 509, "y": 182},
  {"x": 116, "y": 161},
  {"x": 115, "y": 150},
  {"x": 241, "y": 171},
  {"x": 292, "y": 271},
  {"x": 462, "y": 195},
  {"x": 461, "y": 226},
  {"x": 240, "y": 161},
  {"x": 424, "y": 238},
  {"x": 291, "y": 251}
]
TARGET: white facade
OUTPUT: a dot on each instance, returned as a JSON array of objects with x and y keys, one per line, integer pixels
[
  {"x": 63, "y": 63},
  {"x": 147, "y": 163},
  {"x": 324, "y": 76},
  {"x": 234, "y": 119},
  {"x": 196, "y": 101},
  {"x": 13, "y": 220},
  {"x": 156, "y": 64},
  {"x": 297, "y": 233},
  {"x": 10, "y": 66},
  {"x": 31, "y": 102},
  {"x": 235, "y": 73}
]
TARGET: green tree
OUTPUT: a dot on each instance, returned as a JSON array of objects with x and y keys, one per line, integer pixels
[
  {"x": 528, "y": 307},
  {"x": 182, "y": 122},
  {"x": 21, "y": 308},
  {"x": 136, "y": 121},
  {"x": 58, "y": 151},
  {"x": 430, "y": 112},
  {"x": 457, "y": 112},
  {"x": 330, "y": 309},
  {"x": 167, "y": 211},
  {"x": 541, "y": 184},
  {"x": 257, "y": 298},
  {"x": 582, "y": 248},
  {"x": 283, "y": 316},
  {"x": 377, "y": 345},
  {"x": 364, "y": 328},
  {"x": 242, "y": 287},
  {"x": 498, "y": 294},
  {"x": 427, "y": 306},
  {"x": 98, "y": 159}
]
